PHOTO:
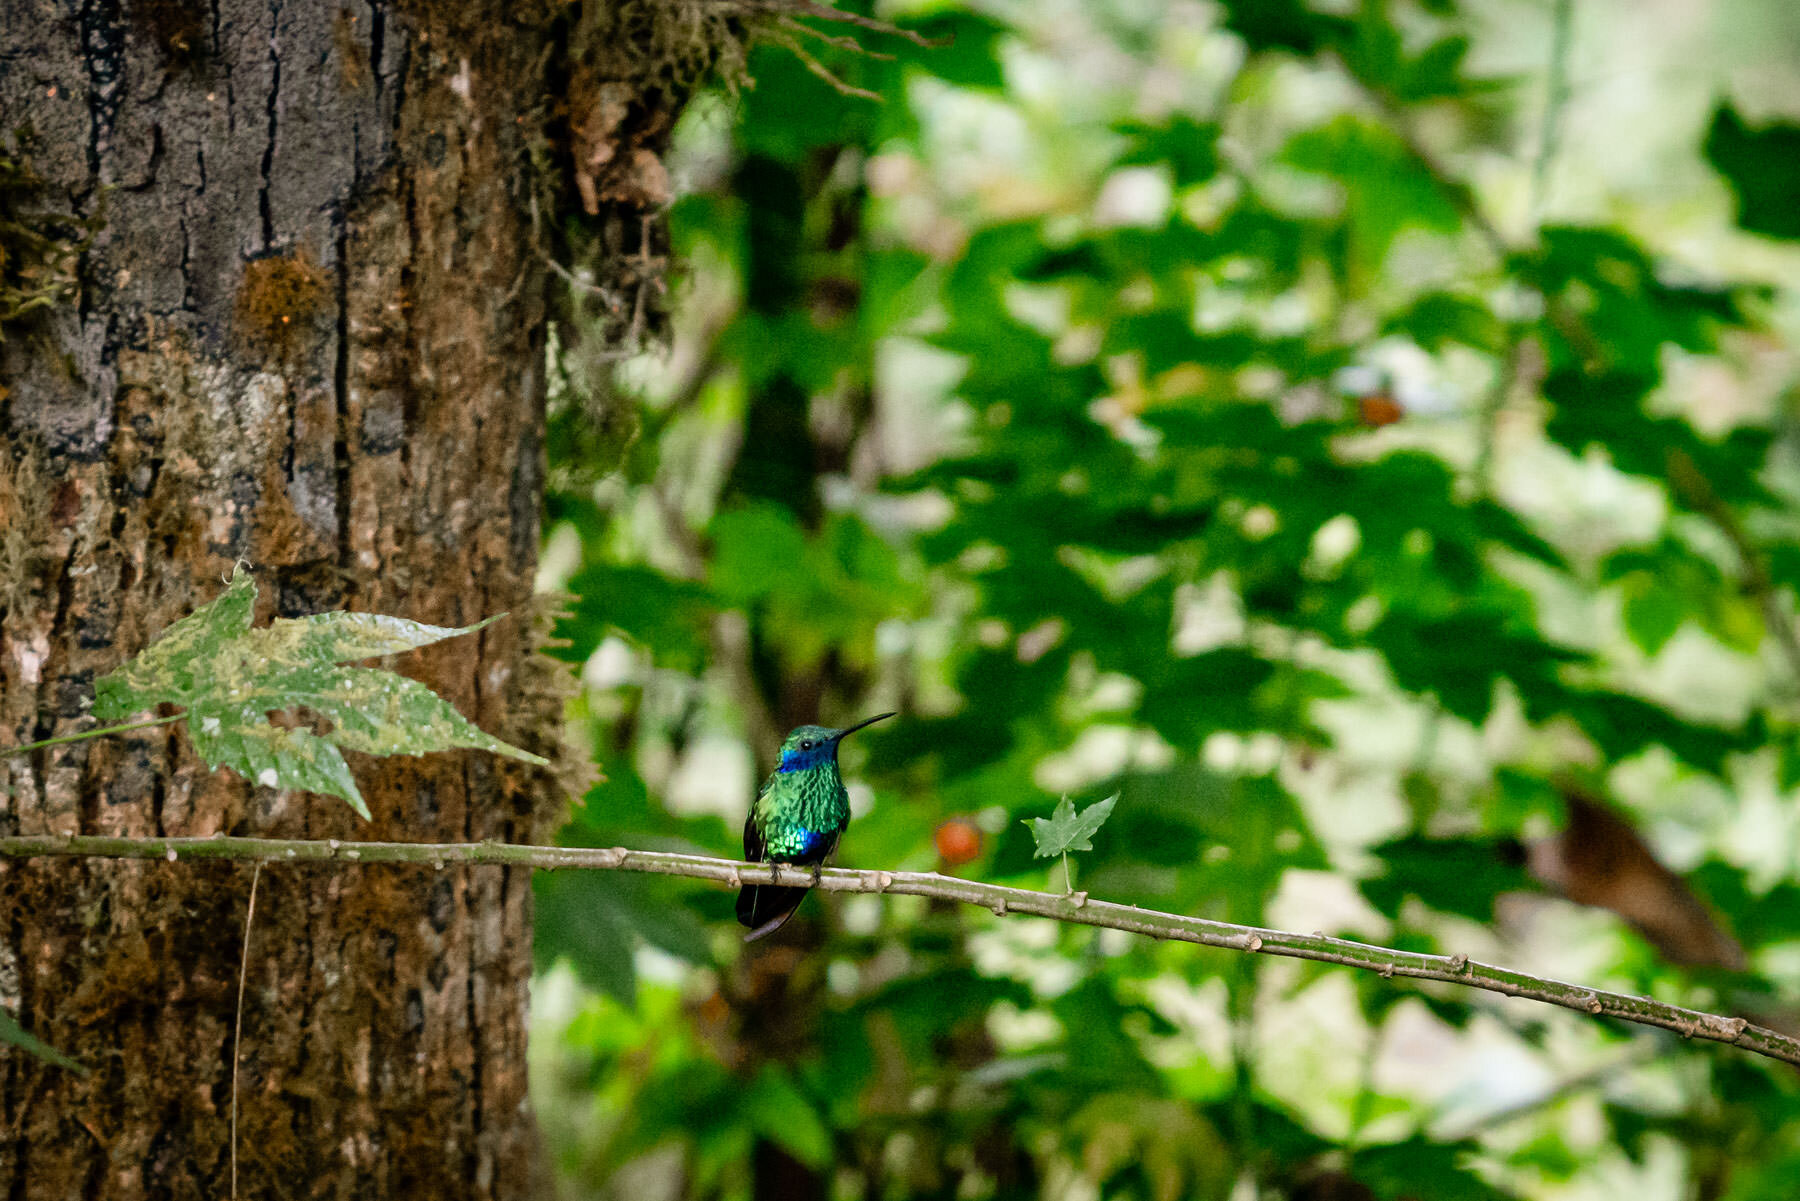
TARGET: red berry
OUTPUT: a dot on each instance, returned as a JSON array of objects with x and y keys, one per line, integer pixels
[
  {"x": 1378, "y": 409},
  {"x": 958, "y": 841}
]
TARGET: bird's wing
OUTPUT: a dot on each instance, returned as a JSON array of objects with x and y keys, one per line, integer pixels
[{"x": 753, "y": 840}]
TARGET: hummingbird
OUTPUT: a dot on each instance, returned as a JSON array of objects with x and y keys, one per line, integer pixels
[{"x": 797, "y": 817}]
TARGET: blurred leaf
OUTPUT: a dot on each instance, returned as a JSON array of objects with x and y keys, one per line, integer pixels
[
  {"x": 1623, "y": 725},
  {"x": 1187, "y": 146},
  {"x": 1652, "y": 612},
  {"x": 1177, "y": 1153},
  {"x": 779, "y": 1112},
  {"x": 16, "y": 1035},
  {"x": 757, "y": 552},
  {"x": 668, "y": 616},
  {"x": 1757, "y": 918},
  {"x": 579, "y": 918},
  {"x": 1435, "y": 72},
  {"x": 1460, "y": 658},
  {"x": 1284, "y": 25},
  {"x": 1438, "y": 319},
  {"x": 1453, "y": 875},
  {"x": 1100, "y": 1049},
  {"x": 1762, "y": 166},
  {"x": 1386, "y": 190},
  {"x": 1421, "y": 1168},
  {"x": 970, "y": 55}
]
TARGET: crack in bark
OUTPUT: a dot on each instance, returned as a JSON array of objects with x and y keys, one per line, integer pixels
[
  {"x": 15, "y": 1081},
  {"x": 159, "y": 785},
  {"x": 377, "y": 40},
  {"x": 340, "y": 385},
  {"x": 268, "y": 155},
  {"x": 47, "y": 714},
  {"x": 103, "y": 52},
  {"x": 224, "y": 62},
  {"x": 476, "y": 1066},
  {"x": 187, "y": 253}
]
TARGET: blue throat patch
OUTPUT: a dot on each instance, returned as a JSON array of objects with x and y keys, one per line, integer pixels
[{"x": 799, "y": 760}]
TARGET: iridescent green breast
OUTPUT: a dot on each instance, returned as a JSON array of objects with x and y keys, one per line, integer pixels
[{"x": 799, "y": 814}]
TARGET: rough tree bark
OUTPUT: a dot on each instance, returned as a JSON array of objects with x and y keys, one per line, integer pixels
[{"x": 308, "y": 331}]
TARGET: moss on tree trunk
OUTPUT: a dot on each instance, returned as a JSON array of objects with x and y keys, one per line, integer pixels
[{"x": 309, "y": 334}]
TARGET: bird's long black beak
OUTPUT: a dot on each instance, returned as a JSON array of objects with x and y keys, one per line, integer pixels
[{"x": 859, "y": 725}]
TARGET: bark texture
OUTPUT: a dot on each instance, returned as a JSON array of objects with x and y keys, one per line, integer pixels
[{"x": 308, "y": 333}]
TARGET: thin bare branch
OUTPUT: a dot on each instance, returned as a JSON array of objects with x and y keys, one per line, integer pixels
[
  {"x": 1595, "y": 1077},
  {"x": 1077, "y": 908},
  {"x": 788, "y": 9},
  {"x": 841, "y": 42},
  {"x": 1556, "y": 99},
  {"x": 820, "y": 69},
  {"x": 1691, "y": 484},
  {"x": 237, "y": 1036},
  {"x": 1459, "y": 194}
]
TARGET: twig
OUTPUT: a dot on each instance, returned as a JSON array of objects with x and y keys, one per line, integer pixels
[
  {"x": 1506, "y": 377},
  {"x": 1560, "y": 1091},
  {"x": 1555, "y": 100},
  {"x": 1362, "y": 1109},
  {"x": 820, "y": 69},
  {"x": 842, "y": 43},
  {"x": 786, "y": 10},
  {"x": 1691, "y": 484},
  {"x": 237, "y": 1037},
  {"x": 1078, "y": 908}
]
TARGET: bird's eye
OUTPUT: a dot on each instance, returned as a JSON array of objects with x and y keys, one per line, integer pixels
[{"x": 806, "y": 745}]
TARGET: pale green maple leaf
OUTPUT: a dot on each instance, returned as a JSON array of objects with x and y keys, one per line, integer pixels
[
  {"x": 229, "y": 677},
  {"x": 1066, "y": 830}
]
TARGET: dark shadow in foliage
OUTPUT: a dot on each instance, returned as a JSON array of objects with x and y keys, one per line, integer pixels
[{"x": 1463, "y": 876}]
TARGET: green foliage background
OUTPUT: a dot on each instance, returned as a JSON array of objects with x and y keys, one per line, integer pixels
[{"x": 1048, "y": 401}]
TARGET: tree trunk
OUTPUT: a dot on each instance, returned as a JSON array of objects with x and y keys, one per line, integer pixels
[{"x": 305, "y": 328}]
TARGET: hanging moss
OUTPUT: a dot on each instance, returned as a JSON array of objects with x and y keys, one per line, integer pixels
[
  {"x": 653, "y": 43},
  {"x": 40, "y": 253}
]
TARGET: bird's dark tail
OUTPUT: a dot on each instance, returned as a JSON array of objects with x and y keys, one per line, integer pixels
[{"x": 765, "y": 907}]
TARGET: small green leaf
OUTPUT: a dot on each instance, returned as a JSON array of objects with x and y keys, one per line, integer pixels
[
  {"x": 18, "y": 1036},
  {"x": 1066, "y": 830},
  {"x": 229, "y": 677}
]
